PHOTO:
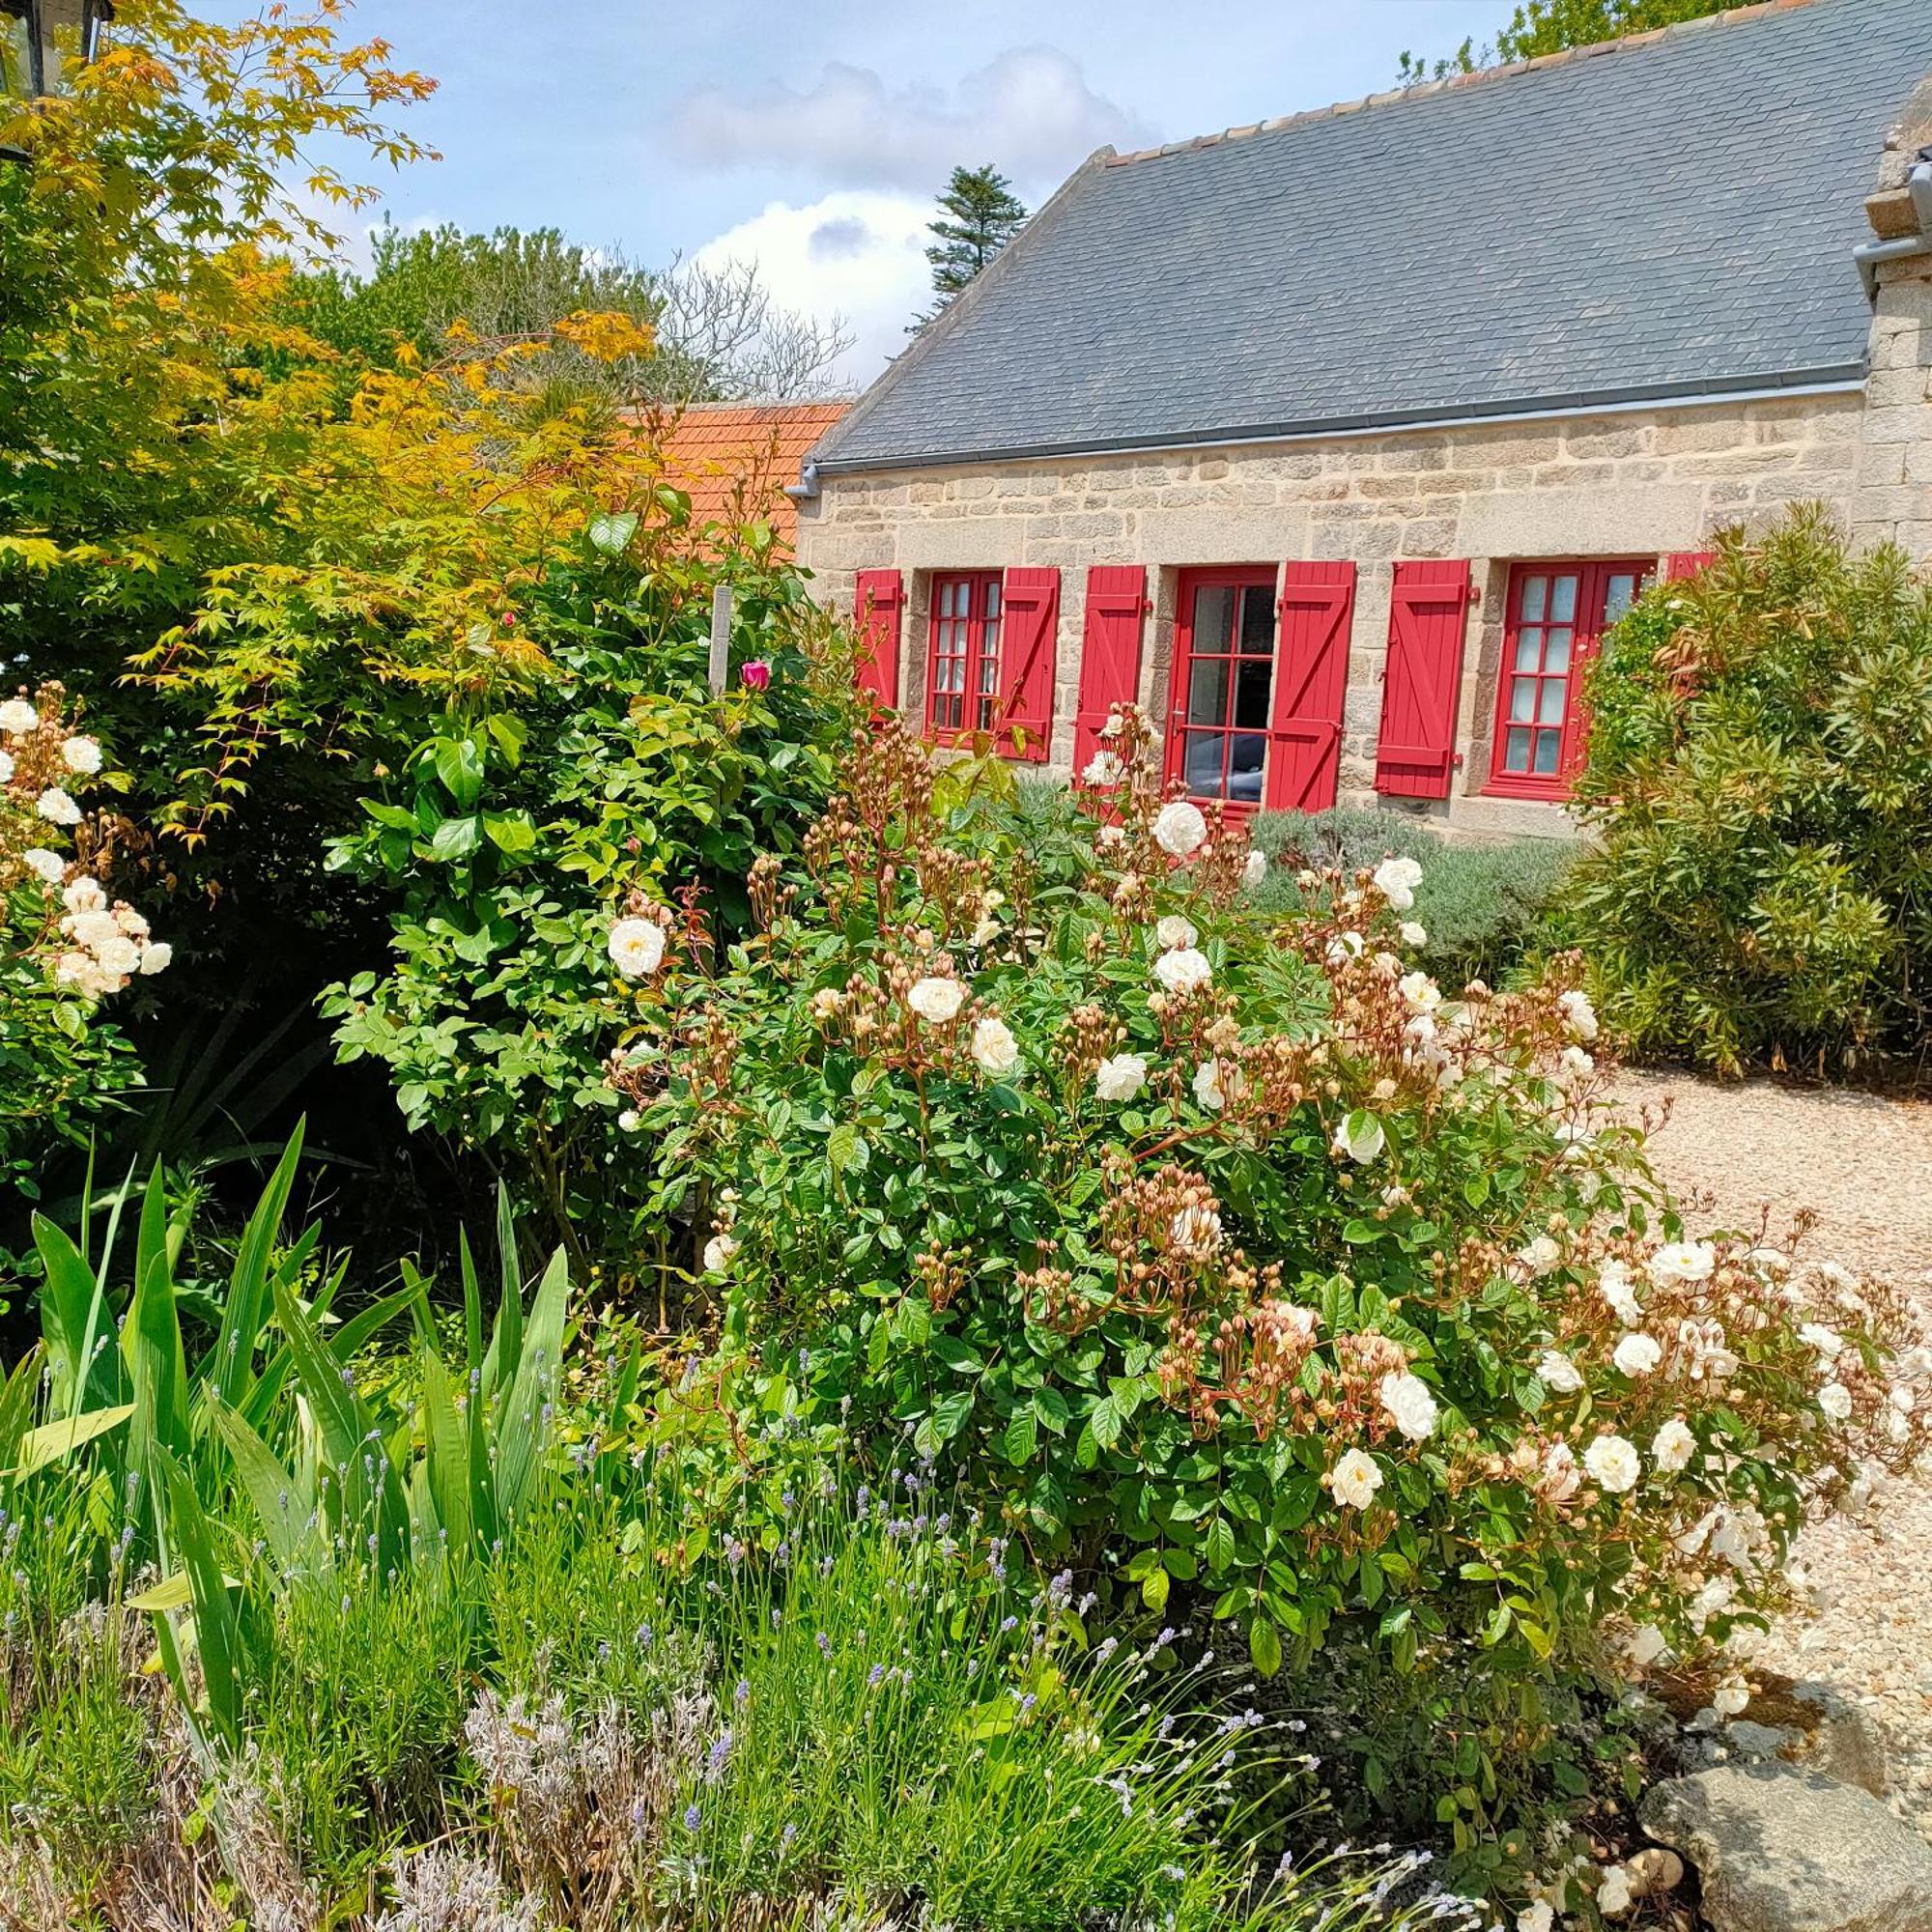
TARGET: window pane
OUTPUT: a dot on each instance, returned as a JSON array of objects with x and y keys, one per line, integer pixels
[
  {"x": 1257, "y": 619},
  {"x": 1547, "y": 745},
  {"x": 1556, "y": 650},
  {"x": 1535, "y": 596},
  {"x": 992, "y": 599},
  {"x": 1252, "y": 679},
  {"x": 953, "y": 597},
  {"x": 1550, "y": 704},
  {"x": 1522, "y": 699},
  {"x": 1529, "y": 650},
  {"x": 1619, "y": 597},
  {"x": 1213, "y": 618},
  {"x": 1246, "y": 751},
  {"x": 1516, "y": 752},
  {"x": 1208, "y": 692},
  {"x": 1563, "y": 599},
  {"x": 1206, "y": 753}
]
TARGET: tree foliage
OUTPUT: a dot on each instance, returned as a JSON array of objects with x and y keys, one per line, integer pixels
[
  {"x": 978, "y": 214},
  {"x": 1550, "y": 26}
]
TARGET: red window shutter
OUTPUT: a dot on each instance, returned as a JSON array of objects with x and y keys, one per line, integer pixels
[
  {"x": 1687, "y": 563},
  {"x": 1029, "y": 632},
  {"x": 1110, "y": 650},
  {"x": 1429, "y": 608},
  {"x": 878, "y": 598},
  {"x": 1311, "y": 679}
]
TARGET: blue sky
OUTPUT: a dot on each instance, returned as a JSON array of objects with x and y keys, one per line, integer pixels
[{"x": 811, "y": 138}]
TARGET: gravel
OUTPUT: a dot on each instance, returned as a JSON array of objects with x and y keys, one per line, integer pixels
[{"x": 1863, "y": 1165}]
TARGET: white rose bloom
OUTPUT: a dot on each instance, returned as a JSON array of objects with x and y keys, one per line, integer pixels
[
  {"x": 74, "y": 969},
  {"x": 936, "y": 1001},
  {"x": 1175, "y": 931},
  {"x": 1109, "y": 834},
  {"x": 1613, "y": 1893},
  {"x": 1414, "y": 934},
  {"x": 18, "y": 718},
  {"x": 119, "y": 956},
  {"x": 1613, "y": 1283},
  {"x": 1560, "y": 1477},
  {"x": 1355, "y": 1480},
  {"x": 1558, "y": 1373},
  {"x": 1121, "y": 1077},
  {"x": 156, "y": 957},
  {"x": 718, "y": 1253},
  {"x": 1420, "y": 993},
  {"x": 629, "y": 1121},
  {"x": 1216, "y": 1082},
  {"x": 131, "y": 921},
  {"x": 1835, "y": 1399},
  {"x": 1673, "y": 1446},
  {"x": 1195, "y": 1231},
  {"x": 1542, "y": 1255},
  {"x": 1574, "y": 1063},
  {"x": 81, "y": 755},
  {"x": 1613, "y": 1464},
  {"x": 986, "y": 932},
  {"x": 1637, "y": 1355},
  {"x": 1828, "y": 1342},
  {"x": 1408, "y": 1400},
  {"x": 995, "y": 1050},
  {"x": 1397, "y": 879},
  {"x": 1646, "y": 1645},
  {"x": 1361, "y": 1137},
  {"x": 1682, "y": 1261},
  {"x": 1536, "y": 1918},
  {"x": 637, "y": 946},
  {"x": 6, "y": 766},
  {"x": 91, "y": 929},
  {"x": 1182, "y": 970},
  {"x": 1343, "y": 947},
  {"x": 1579, "y": 1015},
  {"x": 1179, "y": 828},
  {"x": 1254, "y": 869},
  {"x": 1904, "y": 1398},
  {"x": 45, "y": 865},
  {"x": 1103, "y": 768},
  {"x": 84, "y": 895},
  {"x": 1729, "y": 1698},
  {"x": 57, "y": 807}
]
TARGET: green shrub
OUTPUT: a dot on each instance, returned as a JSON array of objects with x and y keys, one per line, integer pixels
[
  {"x": 1760, "y": 786},
  {"x": 1482, "y": 908}
]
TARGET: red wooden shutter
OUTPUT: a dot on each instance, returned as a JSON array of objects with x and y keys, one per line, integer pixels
[
  {"x": 1311, "y": 679},
  {"x": 1028, "y": 630},
  {"x": 878, "y": 598},
  {"x": 1429, "y": 608},
  {"x": 1687, "y": 563},
  {"x": 1110, "y": 651}
]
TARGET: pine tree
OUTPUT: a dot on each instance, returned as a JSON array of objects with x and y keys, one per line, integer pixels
[{"x": 979, "y": 216}]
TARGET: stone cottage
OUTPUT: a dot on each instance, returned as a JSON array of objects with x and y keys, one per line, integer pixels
[{"x": 1339, "y": 439}]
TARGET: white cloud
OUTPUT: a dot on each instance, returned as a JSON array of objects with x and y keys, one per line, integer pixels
[
  {"x": 1028, "y": 111},
  {"x": 855, "y": 254}
]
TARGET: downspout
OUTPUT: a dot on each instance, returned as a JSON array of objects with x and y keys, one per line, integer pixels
[
  {"x": 807, "y": 486},
  {"x": 1870, "y": 255}
]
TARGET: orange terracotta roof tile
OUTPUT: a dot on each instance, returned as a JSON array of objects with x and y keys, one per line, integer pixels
[{"x": 735, "y": 459}]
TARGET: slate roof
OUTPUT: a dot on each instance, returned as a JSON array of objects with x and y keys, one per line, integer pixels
[
  {"x": 725, "y": 455},
  {"x": 1670, "y": 214}
]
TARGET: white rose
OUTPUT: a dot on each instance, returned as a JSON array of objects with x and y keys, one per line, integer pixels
[
  {"x": 81, "y": 755},
  {"x": 629, "y": 1121},
  {"x": 1414, "y": 934},
  {"x": 936, "y": 1001},
  {"x": 1637, "y": 1354},
  {"x": 1182, "y": 970},
  {"x": 1216, "y": 1082},
  {"x": 1613, "y": 1283},
  {"x": 57, "y": 807},
  {"x": 637, "y": 946},
  {"x": 1673, "y": 1446},
  {"x": 1828, "y": 1342},
  {"x": 1835, "y": 1399},
  {"x": 1175, "y": 931},
  {"x": 1103, "y": 768},
  {"x": 1254, "y": 869},
  {"x": 995, "y": 1050},
  {"x": 1195, "y": 1231},
  {"x": 131, "y": 921},
  {"x": 1560, "y": 1477},
  {"x": 1536, "y": 1918},
  {"x": 1579, "y": 1015},
  {"x": 1613, "y": 1893},
  {"x": 1420, "y": 993},
  {"x": 1574, "y": 1063},
  {"x": 984, "y": 933},
  {"x": 6, "y": 767},
  {"x": 1361, "y": 1137},
  {"x": 156, "y": 957},
  {"x": 1541, "y": 1255},
  {"x": 1682, "y": 1261},
  {"x": 84, "y": 895},
  {"x": 718, "y": 1253},
  {"x": 45, "y": 865},
  {"x": 1729, "y": 1698},
  {"x": 1355, "y": 1480},
  {"x": 1558, "y": 1373},
  {"x": 118, "y": 956},
  {"x": 1646, "y": 1645},
  {"x": 1110, "y": 835},
  {"x": 1397, "y": 879},
  {"x": 1613, "y": 1463},
  {"x": 1121, "y": 1077},
  {"x": 91, "y": 929},
  {"x": 1179, "y": 828},
  {"x": 1408, "y": 1400},
  {"x": 1343, "y": 947},
  {"x": 18, "y": 718}
]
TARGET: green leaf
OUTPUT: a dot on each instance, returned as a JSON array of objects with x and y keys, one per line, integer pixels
[
  {"x": 1264, "y": 1644},
  {"x": 53, "y": 1440},
  {"x": 459, "y": 764},
  {"x": 455, "y": 839},
  {"x": 1022, "y": 1437},
  {"x": 510, "y": 831},
  {"x": 1154, "y": 1589},
  {"x": 1218, "y": 1544},
  {"x": 613, "y": 531}
]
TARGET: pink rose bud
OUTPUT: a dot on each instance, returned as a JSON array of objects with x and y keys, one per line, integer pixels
[{"x": 757, "y": 675}]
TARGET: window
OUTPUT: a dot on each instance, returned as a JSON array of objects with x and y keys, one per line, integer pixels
[
  {"x": 1557, "y": 615},
  {"x": 963, "y": 666},
  {"x": 1222, "y": 681}
]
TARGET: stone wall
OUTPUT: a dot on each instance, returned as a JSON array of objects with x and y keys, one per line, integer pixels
[
  {"x": 1893, "y": 498},
  {"x": 1629, "y": 484}
]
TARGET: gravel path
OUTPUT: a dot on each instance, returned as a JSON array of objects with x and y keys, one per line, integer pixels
[{"x": 1864, "y": 1166}]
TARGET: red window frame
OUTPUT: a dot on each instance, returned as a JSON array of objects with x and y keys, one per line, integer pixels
[
  {"x": 965, "y": 619},
  {"x": 1264, "y": 581},
  {"x": 1540, "y": 716}
]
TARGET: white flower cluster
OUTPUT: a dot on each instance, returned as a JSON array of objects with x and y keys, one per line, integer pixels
[
  {"x": 108, "y": 944},
  {"x": 1397, "y": 879},
  {"x": 637, "y": 946},
  {"x": 1178, "y": 829}
]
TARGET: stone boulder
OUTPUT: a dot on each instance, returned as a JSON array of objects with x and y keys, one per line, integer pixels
[{"x": 1782, "y": 1850}]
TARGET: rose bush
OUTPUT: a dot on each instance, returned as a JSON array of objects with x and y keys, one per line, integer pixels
[{"x": 1251, "y": 1266}]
